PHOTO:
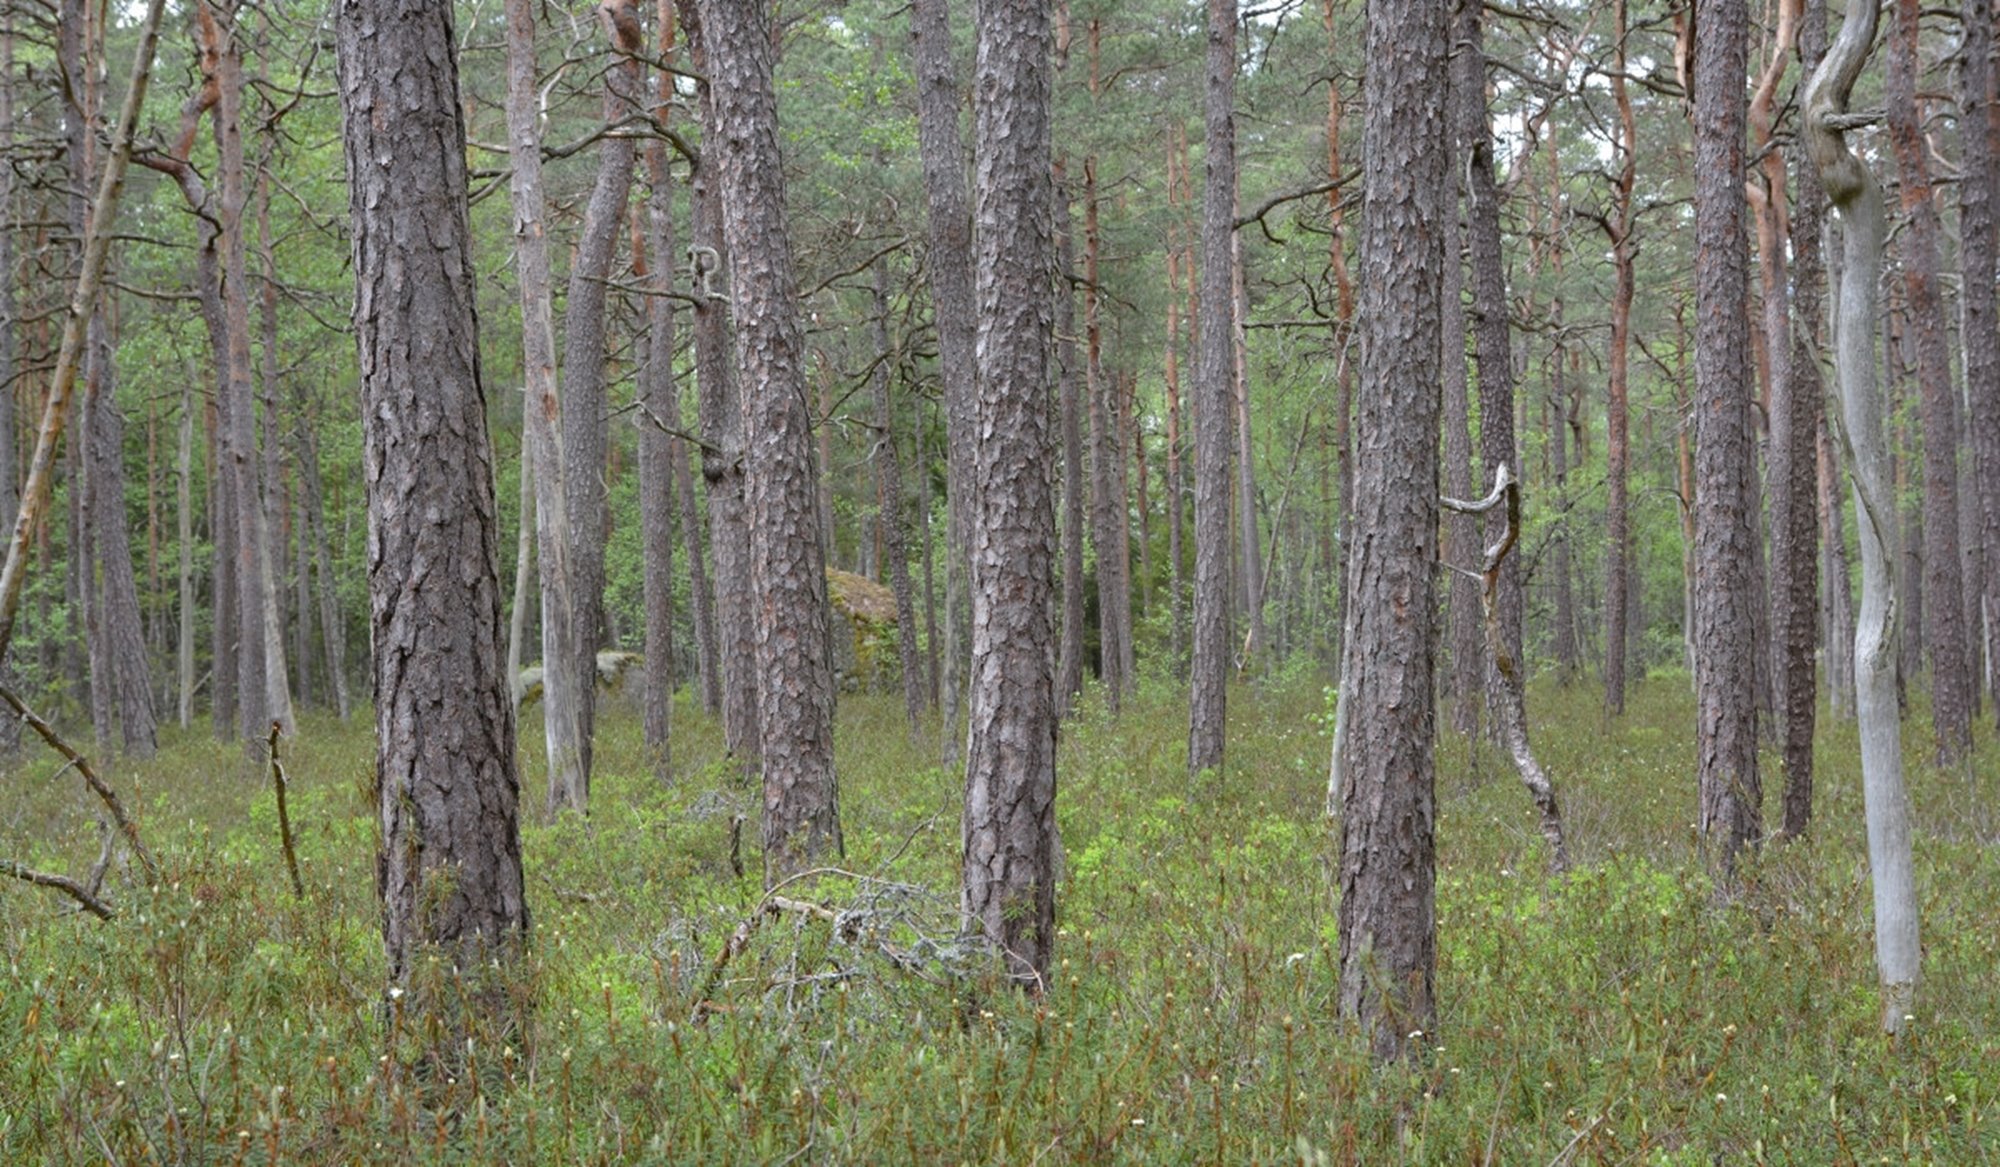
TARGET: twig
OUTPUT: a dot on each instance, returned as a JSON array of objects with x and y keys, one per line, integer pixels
[
  {"x": 62, "y": 883},
  {"x": 284, "y": 817},
  {"x": 48, "y": 734}
]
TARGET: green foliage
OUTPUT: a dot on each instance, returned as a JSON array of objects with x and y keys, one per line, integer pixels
[{"x": 1626, "y": 1013}]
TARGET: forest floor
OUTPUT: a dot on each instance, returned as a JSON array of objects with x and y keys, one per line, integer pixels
[{"x": 1626, "y": 1014}]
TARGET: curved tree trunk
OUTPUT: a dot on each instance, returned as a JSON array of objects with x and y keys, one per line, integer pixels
[{"x": 1855, "y": 197}]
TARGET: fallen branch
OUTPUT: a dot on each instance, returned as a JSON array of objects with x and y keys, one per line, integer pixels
[
  {"x": 284, "y": 817},
  {"x": 1506, "y": 699},
  {"x": 62, "y": 883},
  {"x": 110, "y": 797}
]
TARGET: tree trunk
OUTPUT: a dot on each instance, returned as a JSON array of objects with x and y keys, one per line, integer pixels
[
  {"x": 1213, "y": 393},
  {"x": 889, "y": 471},
  {"x": 1176, "y": 522},
  {"x": 1796, "y": 413},
  {"x": 656, "y": 460},
  {"x": 1978, "y": 128},
  {"x": 123, "y": 629},
  {"x": 1009, "y": 830},
  {"x": 567, "y": 682},
  {"x": 1617, "y": 448},
  {"x": 1107, "y": 502},
  {"x": 721, "y": 431},
  {"x": 948, "y": 222},
  {"x": 524, "y": 565},
  {"x": 1252, "y": 579},
  {"x": 1725, "y": 671},
  {"x": 1838, "y": 634},
  {"x": 1857, "y": 200},
  {"x": 1069, "y": 666},
  {"x": 1466, "y": 680},
  {"x": 1383, "y": 762},
  {"x": 1489, "y": 312},
  {"x": 449, "y": 869},
  {"x": 10, "y": 324},
  {"x": 585, "y": 415},
  {"x": 1945, "y": 630},
  {"x": 184, "y": 538},
  {"x": 787, "y": 567},
  {"x": 332, "y": 630}
]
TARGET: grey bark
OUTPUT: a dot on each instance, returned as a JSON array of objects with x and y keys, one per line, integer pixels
[
  {"x": 585, "y": 415},
  {"x": 1107, "y": 500},
  {"x": 1857, "y": 200},
  {"x": 449, "y": 869},
  {"x": 118, "y": 589},
  {"x": 568, "y": 679},
  {"x": 656, "y": 454},
  {"x": 524, "y": 565},
  {"x": 1979, "y": 138},
  {"x": 1724, "y": 593},
  {"x": 1069, "y": 661},
  {"x": 1213, "y": 393},
  {"x": 948, "y": 224},
  {"x": 889, "y": 471},
  {"x": 332, "y": 629},
  {"x": 1383, "y": 765},
  {"x": 1009, "y": 828},
  {"x": 787, "y": 565},
  {"x": 1467, "y": 679}
]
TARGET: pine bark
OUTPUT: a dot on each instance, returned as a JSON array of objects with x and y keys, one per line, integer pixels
[
  {"x": 118, "y": 588},
  {"x": 1009, "y": 831},
  {"x": 787, "y": 565},
  {"x": 1979, "y": 255},
  {"x": 1107, "y": 498},
  {"x": 1725, "y": 670},
  {"x": 449, "y": 869},
  {"x": 1466, "y": 680},
  {"x": 1945, "y": 631},
  {"x": 948, "y": 225},
  {"x": 656, "y": 453},
  {"x": 1069, "y": 660},
  {"x": 1214, "y": 394},
  {"x": 1384, "y": 765},
  {"x": 1618, "y": 602}
]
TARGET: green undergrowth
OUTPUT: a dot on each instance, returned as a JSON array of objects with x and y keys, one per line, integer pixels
[{"x": 1626, "y": 1014}]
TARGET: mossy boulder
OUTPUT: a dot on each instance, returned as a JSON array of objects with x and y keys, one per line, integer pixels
[{"x": 863, "y": 632}]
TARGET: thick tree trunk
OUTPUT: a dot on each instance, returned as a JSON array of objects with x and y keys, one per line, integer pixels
[
  {"x": 1214, "y": 392},
  {"x": 721, "y": 431},
  {"x": 567, "y": 681},
  {"x": 1945, "y": 629},
  {"x": 1009, "y": 830},
  {"x": 1857, "y": 200},
  {"x": 1725, "y": 671},
  {"x": 1979, "y": 186},
  {"x": 449, "y": 869},
  {"x": 1069, "y": 661},
  {"x": 1383, "y": 762},
  {"x": 948, "y": 222},
  {"x": 585, "y": 415},
  {"x": 787, "y": 567}
]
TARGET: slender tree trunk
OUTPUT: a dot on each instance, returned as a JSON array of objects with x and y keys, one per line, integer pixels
[
  {"x": 1857, "y": 200},
  {"x": 1489, "y": 312},
  {"x": 10, "y": 324},
  {"x": 1114, "y": 597},
  {"x": 271, "y": 472},
  {"x": 721, "y": 431},
  {"x": 567, "y": 682},
  {"x": 1214, "y": 390},
  {"x": 524, "y": 565},
  {"x": 449, "y": 869},
  {"x": 1383, "y": 762},
  {"x": 1009, "y": 831},
  {"x": 787, "y": 565},
  {"x": 948, "y": 222},
  {"x": 332, "y": 630},
  {"x": 1467, "y": 679},
  {"x": 1979, "y": 186},
  {"x": 123, "y": 629},
  {"x": 1617, "y": 450},
  {"x": 1796, "y": 419},
  {"x": 889, "y": 469},
  {"x": 1838, "y": 635},
  {"x": 1245, "y": 476},
  {"x": 184, "y": 539},
  {"x": 1724, "y": 596},
  {"x": 1069, "y": 666},
  {"x": 585, "y": 414},
  {"x": 1945, "y": 630},
  {"x": 1176, "y": 522},
  {"x": 656, "y": 446}
]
